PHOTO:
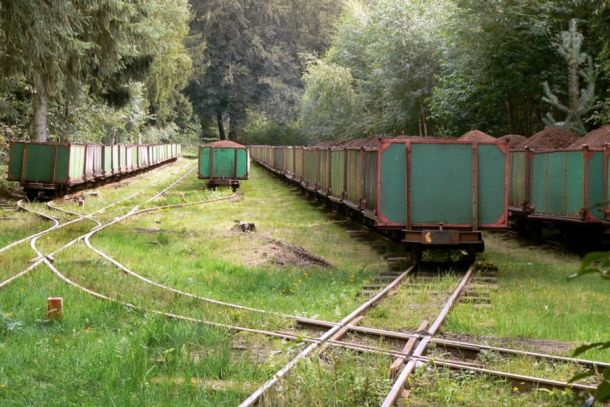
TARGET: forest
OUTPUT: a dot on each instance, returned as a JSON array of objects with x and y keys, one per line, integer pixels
[{"x": 289, "y": 71}]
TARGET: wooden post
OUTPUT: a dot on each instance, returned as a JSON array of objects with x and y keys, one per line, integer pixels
[{"x": 54, "y": 307}]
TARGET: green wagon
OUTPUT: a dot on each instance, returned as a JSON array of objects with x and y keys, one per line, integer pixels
[
  {"x": 435, "y": 192},
  {"x": 569, "y": 186},
  {"x": 223, "y": 163},
  {"x": 47, "y": 166}
]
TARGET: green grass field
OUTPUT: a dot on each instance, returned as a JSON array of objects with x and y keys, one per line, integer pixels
[{"x": 103, "y": 353}]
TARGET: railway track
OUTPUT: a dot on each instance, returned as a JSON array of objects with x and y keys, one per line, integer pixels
[
  {"x": 58, "y": 225},
  {"x": 413, "y": 344}
]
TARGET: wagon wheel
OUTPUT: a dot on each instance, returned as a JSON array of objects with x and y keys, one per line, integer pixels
[
  {"x": 416, "y": 255},
  {"x": 470, "y": 257},
  {"x": 31, "y": 194}
]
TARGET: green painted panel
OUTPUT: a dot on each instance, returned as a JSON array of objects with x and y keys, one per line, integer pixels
[
  {"x": 123, "y": 157},
  {"x": 242, "y": 164},
  {"x": 518, "y": 179},
  {"x": 314, "y": 169},
  {"x": 556, "y": 197},
  {"x": 39, "y": 163},
  {"x": 492, "y": 184},
  {"x": 77, "y": 163},
  {"x": 354, "y": 175},
  {"x": 441, "y": 174},
  {"x": 325, "y": 169},
  {"x": 108, "y": 159},
  {"x": 393, "y": 182},
  {"x": 596, "y": 185},
  {"x": 62, "y": 163},
  {"x": 204, "y": 162},
  {"x": 290, "y": 160},
  {"x": 337, "y": 179},
  {"x": 15, "y": 161},
  {"x": 298, "y": 164},
  {"x": 574, "y": 184},
  {"x": 370, "y": 180},
  {"x": 538, "y": 182},
  {"x": 223, "y": 163},
  {"x": 608, "y": 179}
]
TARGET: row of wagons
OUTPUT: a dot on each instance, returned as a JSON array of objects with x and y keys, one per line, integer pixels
[
  {"x": 433, "y": 192},
  {"x": 56, "y": 167},
  {"x": 564, "y": 187}
]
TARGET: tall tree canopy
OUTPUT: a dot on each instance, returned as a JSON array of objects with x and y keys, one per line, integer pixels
[
  {"x": 445, "y": 67},
  {"x": 252, "y": 57},
  {"x": 64, "y": 49}
]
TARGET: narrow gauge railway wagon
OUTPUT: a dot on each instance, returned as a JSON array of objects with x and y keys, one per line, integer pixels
[
  {"x": 55, "y": 168},
  {"x": 567, "y": 189},
  {"x": 224, "y": 163},
  {"x": 429, "y": 193}
]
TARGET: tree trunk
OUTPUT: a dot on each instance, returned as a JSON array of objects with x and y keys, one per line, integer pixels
[
  {"x": 40, "y": 108},
  {"x": 221, "y": 126}
]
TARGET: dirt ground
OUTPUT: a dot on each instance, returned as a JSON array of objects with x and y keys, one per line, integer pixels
[
  {"x": 476, "y": 135},
  {"x": 549, "y": 138},
  {"x": 594, "y": 139},
  {"x": 513, "y": 140}
]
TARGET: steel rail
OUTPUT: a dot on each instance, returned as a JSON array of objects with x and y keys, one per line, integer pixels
[
  {"x": 319, "y": 341},
  {"x": 146, "y": 280},
  {"x": 406, "y": 336},
  {"x": 399, "y": 384},
  {"x": 25, "y": 239},
  {"x": 41, "y": 260},
  {"x": 512, "y": 376},
  {"x": 258, "y": 393}
]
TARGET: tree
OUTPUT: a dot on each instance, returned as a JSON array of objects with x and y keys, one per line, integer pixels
[
  {"x": 329, "y": 104},
  {"x": 581, "y": 101},
  {"x": 252, "y": 58},
  {"x": 389, "y": 48},
  {"x": 64, "y": 48},
  {"x": 171, "y": 67}
]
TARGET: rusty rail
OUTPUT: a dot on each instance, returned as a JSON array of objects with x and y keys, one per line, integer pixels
[
  {"x": 258, "y": 393},
  {"x": 399, "y": 384}
]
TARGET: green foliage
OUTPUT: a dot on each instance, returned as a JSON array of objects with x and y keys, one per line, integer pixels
[
  {"x": 253, "y": 59},
  {"x": 65, "y": 63},
  {"x": 379, "y": 73},
  {"x": 329, "y": 103},
  {"x": 263, "y": 130},
  {"x": 172, "y": 66}
]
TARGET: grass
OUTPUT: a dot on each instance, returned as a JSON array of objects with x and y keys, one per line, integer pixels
[
  {"x": 410, "y": 305},
  {"x": 102, "y": 354},
  {"x": 448, "y": 388},
  {"x": 105, "y": 354},
  {"x": 208, "y": 258},
  {"x": 17, "y": 225},
  {"x": 535, "y": 300},
  {"x": 341, "y": 378}
]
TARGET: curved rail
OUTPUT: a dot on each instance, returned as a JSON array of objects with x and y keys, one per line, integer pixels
[
  {"x": 25, "y": 239},
  {"x": 67, "y": 245},
  {"x": 57, "y": 226}
]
